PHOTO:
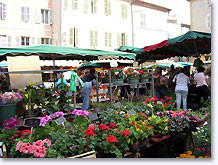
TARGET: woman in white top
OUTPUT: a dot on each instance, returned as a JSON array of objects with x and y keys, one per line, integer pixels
[
  {"x": 201, "y": 82},
  {"x": 181, "y": 89}
]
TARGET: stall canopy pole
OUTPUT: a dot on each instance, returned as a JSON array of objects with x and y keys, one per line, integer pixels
[
  {"x": 74, "y": 99},
  {"x": 110, "y": 88},
  {"x": 97, "y": 87},
  {"x": 54, "y": 72},
  {"x": 152, "y": 82}
]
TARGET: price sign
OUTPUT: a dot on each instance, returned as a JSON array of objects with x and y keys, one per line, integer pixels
[
  {"x": 31, "y": 122},
  {"x": 116, "y": 105},
  {"x": 93, "y": 116},
  {"x": 131, "y": 112},
  {"x": 113, "y": 64},
  {"x": 60, "y": 120},
  {"x": 138, "y": 108},
  {"x": 159, "y": 102}
]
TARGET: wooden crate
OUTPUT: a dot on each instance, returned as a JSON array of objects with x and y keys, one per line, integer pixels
[{"x": 91, "y": 154}]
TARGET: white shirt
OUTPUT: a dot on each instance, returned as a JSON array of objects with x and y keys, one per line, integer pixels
[
  {"x": 182, "y": 82},
  {"x": 201, "y": 79}
]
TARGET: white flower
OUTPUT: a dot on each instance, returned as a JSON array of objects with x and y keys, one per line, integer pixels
[{"x": 116, "y": 73}]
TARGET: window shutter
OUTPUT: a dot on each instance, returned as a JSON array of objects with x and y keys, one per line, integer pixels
[
  {"x": 71, "y": 36},
  {"x": 91, "y": 38},
  {"x": 76, "y": 31},
  {"x": 27, "y": 14},
  {"x": 106, "y": 39},
  {"x": 126, "y": 39},
  {"x": 33, "y": 41},
  {"x": 105, "y": 7},
  {"x": 49, "y": 16},
  {"x": 23, "y": 14},
  {"x": 109, "y": 38},
  {"x": 50, "y": 41},
  {"x": 85, "y": 6},
  {"x": 125, "y": 9},
  {"x": 38, "y": 41},
  {"x": 109, "y": 8},
  {"x": 38, "y": 15},
  {"x": 65, "y": 4},
  {"x": 96, "y": 38},
  {"x": 3, "y": 11},
  {"x": 17, "y": 41},
  {"x": 9, "y": 41},
  {"x": 122, "y": 11}
]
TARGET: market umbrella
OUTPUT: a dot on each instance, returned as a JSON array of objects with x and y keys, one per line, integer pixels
[
  {"x": 192, "y": 43},
  {"x": 164, "y": 65},
  {"x": 48, "y": 52},
  {"x": 130, "y": 49}
]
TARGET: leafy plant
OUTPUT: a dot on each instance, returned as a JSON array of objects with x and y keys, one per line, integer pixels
[{"x": 117, "y": 73}]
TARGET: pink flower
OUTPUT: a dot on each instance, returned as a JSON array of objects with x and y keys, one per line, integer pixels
[
  {"x": 162, "y": 100},
  {"x": 170, "y": 103},
  {"x": 58, "y": 114},
  {"x": 203, "y": 149},
  {"x": 30, "y": 149},
  {"x": 47, "y": 141},
  {"x": 38, "y": 143},
  {"x": 198, "y": 149},
  {"x": 164, "y": 105},
  {"x": 170, "y": 98},
  {"x": 18, "y": 145}
]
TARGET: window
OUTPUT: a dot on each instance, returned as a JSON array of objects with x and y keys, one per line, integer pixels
[
  {"x": 107, "y": 7},
  {"x": 123, "y": 11},
  {"x": 208, "y": 3},
  {"x": 65, "y": 4},
  {"x": 208, "y": 21},
  {"x": 74, "y": 5},
  {"x": 46, "y": 16},
  {"x": 3, "y": 40},
  {"x": 73, "y": 37},
  {"x": 46, "y": 41},
  {"x": 2, "y": 11},
  {"x": 143, "y": 20},
  {"x": 85, "y": 7},
  {"x": 93, "y": 38},
  {"x": 93, "y": 6},
  {"x": 107, "y": 39},
  {"x": 25, "y": 41},
  {"x": 121, "y": 39},
  {"x": 33, "y": 42},
  {"x": 25, "y": 14}
]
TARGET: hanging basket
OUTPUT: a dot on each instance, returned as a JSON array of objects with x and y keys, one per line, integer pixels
[
  {"x": 6, "y": 112},
  {"x": 117, "y": 81},
  {"x": 144, "y": 80},
  {"x": 133, "y": 80}
]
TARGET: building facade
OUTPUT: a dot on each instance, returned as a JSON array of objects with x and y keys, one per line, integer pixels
[
  {"x": 204, "y": 23},
  {"x": 25, "y": 23}
]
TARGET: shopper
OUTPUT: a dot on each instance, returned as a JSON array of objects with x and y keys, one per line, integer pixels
[
  {"x": 89, "y": 81},
  {"x": 181, "y": 90},
  {"x": 201, "y": 82},
  {"x": 160, "y": 84}
]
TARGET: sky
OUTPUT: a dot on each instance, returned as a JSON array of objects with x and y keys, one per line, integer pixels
[{"x": 179, "y": 7}]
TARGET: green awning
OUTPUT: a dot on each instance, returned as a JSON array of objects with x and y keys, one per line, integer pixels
[
  {"x": 130, "y": 49},
  {"x": 192, "y": 43},
  {"x": 48, "y": 52}
]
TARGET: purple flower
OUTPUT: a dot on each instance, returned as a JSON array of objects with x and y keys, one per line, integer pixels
[
  {"x": 80, "y": 113},
  {"x": 58, "y": 114}
]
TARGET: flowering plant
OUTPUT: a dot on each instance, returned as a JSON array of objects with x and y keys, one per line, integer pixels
[
  {"x": 132, "y": 73},
  {"x": 117, "y": 73},
  {"x": 10, "y": 98},
  {"x": 144, "y": 73},
  {"x": 81, "y": 118}
]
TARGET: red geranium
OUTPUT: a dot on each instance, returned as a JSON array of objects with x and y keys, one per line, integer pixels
[
  {"x": 90, "y": 130},
  {"x": 112, "y": 125},
  {"x": 170, "y": 103},
  {"x": 126, "y": 132},
  {"x": 104, "y": 126},
  {"x": 112, "y": 139}
]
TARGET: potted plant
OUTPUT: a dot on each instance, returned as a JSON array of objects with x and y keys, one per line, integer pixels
[
  {"x": 132, "y": 76},
  {"x": 144, "y": 75},
  {"x": 117, "y": 76},
  {"x": 8, "y": 101}
]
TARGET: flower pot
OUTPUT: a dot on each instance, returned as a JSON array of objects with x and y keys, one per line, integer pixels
[
  {"x": 143, "y": 143},
  {"x": 144, "y": 80},
  {"x": 154, "y": 139},
  {"x": 134, "y": 146},
  {"x": 133, "y": 80},
  {"x": 6, "y": 112},
  {"x": 117, "y": 81}
]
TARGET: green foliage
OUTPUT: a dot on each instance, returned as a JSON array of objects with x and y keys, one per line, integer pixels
[
  {"x": 117, "y": 73},
  {"x": 160, "y": 125}
]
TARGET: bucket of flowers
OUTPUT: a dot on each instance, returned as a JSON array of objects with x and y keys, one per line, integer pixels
[
  {"x": 117, "y": 76},
  {"x": 144, "y": 75},
  {"x": 132, "y": 75}
]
